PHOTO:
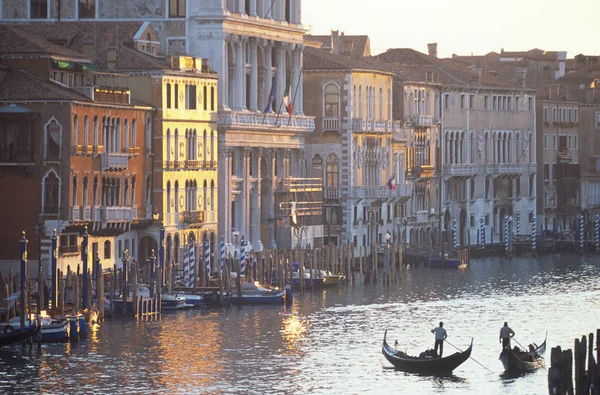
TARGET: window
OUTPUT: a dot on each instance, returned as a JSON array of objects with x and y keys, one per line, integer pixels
[
  {"x": 332, "y": 98},
  {"x": 212, "y": 98},
  {"x": 168, "y": 95},
  {"x": 462, "y": 101},
  {"x": 74, "y": 191},
  {"x": 531, "y": 184},
  {"x": 546, "y": 171},
  {"x": 176, "y": 94},
  {"x": 570, "y": 115},
  {"x": 96, "y": 131},
  {"x": 517, "y": 103},
  {"x": 554, "y": 142},
  {"x": 205, "y": 97},
  {"x": 87, "y": 9},
  {"x": 85, "y": 192},
  {"x": 508, "y": 103},
  {"x": 597, "y": 120},
  {"x": 545, "y": 141},
  {"x": 446, "y": 100},
  {"x": 134, "y": 133},
  {"x": 75, "y": 131},
  {"x": 53, "y": 139},
  {"x": 333, "y": 171},
  {"x": 51, "y": 192},
  {"x": 518, "y": 186},
  {"x": 38, "y": 9},
  {"x": 86, "y": 129},
  {"x": 471, "y": 101},
  {"x": 545, "y": 114},
  {"x": 107, "y": 249},
  {"x": 176, "y": 8},
  {"x": 485, "y": 102},
  {"x": 576, "y": 114},
  {"x": 120, "y": 249},
  {"x": 530, "y": 103},
  {"x": 575, "y": 142},
  {"x": 190, "y": 93}
]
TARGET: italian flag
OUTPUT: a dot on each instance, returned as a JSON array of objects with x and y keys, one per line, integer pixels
[{"x": 286, "y": 100}]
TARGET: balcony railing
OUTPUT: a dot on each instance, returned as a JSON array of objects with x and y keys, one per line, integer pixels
[
  {"x": 332, "y": 192},
  {"x": 96, "y": 213},
  {"x": 331, "y": 124},
  {"x": 376, "y": 192},
  {"x": 422, "y": 216},
  {"x": 565, "y": 156},
  {"x": 78, "y": 149},
  {"x": 507, "y": 168},
  {"x": 114, "y": 161},
  {"x": 87, "y": 213},
  {"x": 75, "y": 213},
  {"x": 119, "y": 213},
  {"x": 247, "y": 120},
  {"x": 421, "y": 120},
  {"x": 194, "y": 217},
  {"x": 460, "y": 169}
]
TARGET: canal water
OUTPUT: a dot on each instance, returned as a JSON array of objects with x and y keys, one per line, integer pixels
[{"x": 329, "y": 342}]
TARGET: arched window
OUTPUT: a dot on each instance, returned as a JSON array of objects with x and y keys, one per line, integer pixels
[
  {"x": 169, "y": 201},
  {"x": 360, "y": 102},
  {"x": 133, "y": 191},
  {"x": 212, "y": 193},
  {"x": 168, "y": 153},
  {"x": 107, "y": 249},
  {"x": 381, "y": 104},
  {"x": 176, "y": 196},
  {"x": 317, "y": 167},
  {"x": 95, "y": 192},
  {"x": 51, "y": 193},
  {"x": 75, "y": 131},
  {"x": 212, "y": 146},
  {"x": 148, "y": 135},
  {"x": 205, "y": 192},
  {"x": 332, "y": 100},
  {"x": 168, "y": 94},
  {"x": 74, "y": 191},
  {"x": 95, "y": 131},
  {"x": 126, "y": 133},
  {"x": 176, "y": 158},
  {"x": 134, "y": 133},
  {"x": 53, "y": 139},
  {"x": 206, "y": 150},
  {"x": 148, "y": 191},
  {"x": 333, "y": 171},
  {"x": 86, "y": 137}
]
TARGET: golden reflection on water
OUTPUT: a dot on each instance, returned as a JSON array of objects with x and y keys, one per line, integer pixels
[{"x": 294, "y": 330}]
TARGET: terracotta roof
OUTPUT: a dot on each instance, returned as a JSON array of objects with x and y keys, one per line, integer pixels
[
  {"x": 353, "y": 46},
  {"x": 319, "y": 59},
  {"x": 17, "y": 41},
  {"x": 103, "y": 35},
  {"x": 19, "y": 85}
]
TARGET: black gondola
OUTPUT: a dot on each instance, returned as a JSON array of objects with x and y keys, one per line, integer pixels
[
  {"x": 430, "y": 366},
  {"x": 521, "y": 362},
  {"x": 10, "y": 334}
]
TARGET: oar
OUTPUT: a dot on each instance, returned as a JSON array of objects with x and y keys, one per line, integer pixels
[
  {"x": 526, "y": 350},
  {"x": 469, "y": 355}
]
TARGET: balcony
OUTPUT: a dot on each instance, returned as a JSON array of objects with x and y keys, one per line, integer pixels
[
  {"x": 565, "y": 156},
  {"x": 331, "y": 124},
  {"x": 119, "y": 213},
  {"x": 87, "y": 213},
  {"x": 332, "y": 192},
  {"x": 460, "y": 170},
  {"x": 378, "y": 126},
  {"x": 75, "y": 213},
  {"x": 249, "y": 121},
  {"x": 194, "y": 217},
  {"x": 422, "y": 216},
  {"x": 78, "y": 149},
  {"x": 114, "y": 161},
  {"x": 96, "y": 213},
  {"x": 99, "y": 150},
  {"x": 421, "y": 120},
  {"x": 376, "y": 192},
  {"x": 192, "y": 164},
  {"x": 506, "y": 168},
  {"x": 300, "y": 184},
  {"x": 174, "y": 219},
  {"x": 88, "y": 149}
]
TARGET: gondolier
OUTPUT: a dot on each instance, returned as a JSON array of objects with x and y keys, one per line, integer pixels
[
  {"x": 440, "y": 336},
  {"x": 505, "y": 334}
]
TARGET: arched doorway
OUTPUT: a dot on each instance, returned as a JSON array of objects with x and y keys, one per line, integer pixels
[
  {"x": 463, "y": 228},
  {"x": 146, "y": 246},
  {"x": 447, "y": 227}
]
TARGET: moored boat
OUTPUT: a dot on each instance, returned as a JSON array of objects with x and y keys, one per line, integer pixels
[
  {"x": 520, "y": 361},
  {"x": 192, "y": 300},
  {"x": 173, "y": 302},
  {"x": 330, "y": 279},
  {"x": 426, "y": 364},
  {"x": 254, "y": 293},
  {"x": 436, "y": 263},
  {"x": 13, "y": 333}
]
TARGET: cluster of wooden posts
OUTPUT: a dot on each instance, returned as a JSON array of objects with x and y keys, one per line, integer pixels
[{"x": 560, "y": 374}]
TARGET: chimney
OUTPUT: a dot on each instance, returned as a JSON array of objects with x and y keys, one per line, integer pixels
[
  {"x": 432, "y": 48},
  {"x": 335, "y": 41},
  {"x": 89, "y": 50},
  {"x": 111, "y": 58},
  {"x": 205, "y": 65}
]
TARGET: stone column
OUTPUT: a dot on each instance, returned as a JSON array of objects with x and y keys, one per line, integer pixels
[
  {"x": 241, "y": 7},
  {"x": 268, "y": 58},
  {"x": 252, "y": 7},
  {"x": 245, "y": 195},
  {"x": 253, "y": 105},
  {"x": 223, "y": 70},
  {"x": 240, "y": 70},
  {"x": 272, "y": 155},
  {"x": 280, "y": 75},
  {"x": 294, "y": 78},
  {"x": 300, "y": 95}
]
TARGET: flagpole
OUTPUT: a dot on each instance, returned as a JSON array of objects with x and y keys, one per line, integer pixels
[{"x": 295, "y": 93}]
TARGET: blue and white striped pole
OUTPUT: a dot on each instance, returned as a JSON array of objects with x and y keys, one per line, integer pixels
[
  {"x": 192, "y": 263},
  {"x": 186, "y": 265},
  {"x": 517, "y": 223},
  {"x": 597, "y": 232},
  {"x": 207, "y": 255},
  {"x": 581, "y": 234},
  {"x": 533, "y": 234},
  {"x": 506, "y": 234},
  {"x": 454, "y": 235},
  {"x": 482, "y": 231},
  {"x": 222, "y": 253},
  {"x": 242, "y": 255}
]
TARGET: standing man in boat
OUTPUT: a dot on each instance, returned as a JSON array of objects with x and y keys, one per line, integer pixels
[
  {"x": 440, "y": 336},
  {"x": 505, "y": 334}
]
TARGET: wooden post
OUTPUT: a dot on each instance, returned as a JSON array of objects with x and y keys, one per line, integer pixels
[
  {"x": 300, "y": 268},
  {"x": 374, "y": 260},
  {"x": 134, "y": 296},
  {"x": 238, "y": 279},
  {"x": 100, "y": 295},
  {"x": 313, "y": 272},
  {"x": 360, "y": 264}
]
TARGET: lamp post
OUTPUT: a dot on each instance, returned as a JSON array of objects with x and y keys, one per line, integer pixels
[
  {"x": 125, "y": 261},
  {"x": 161, "y": 256},
  {"x": 23, "y": 274}
]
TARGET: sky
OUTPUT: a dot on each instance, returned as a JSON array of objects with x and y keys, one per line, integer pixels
[{"x": 462, "y": 27}]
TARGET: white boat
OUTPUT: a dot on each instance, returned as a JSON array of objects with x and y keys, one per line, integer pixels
[
  {"x": 173, "y": 302},
  {"x": 192, "y": 300}
]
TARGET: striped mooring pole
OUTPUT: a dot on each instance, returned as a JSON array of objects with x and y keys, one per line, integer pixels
[
  {"x": 506, "y": 235},
  {"x": 517, "y": 223},
  {"x": 242, "y": 255},
  {"x": 207, "y": 255},
  {"x": 454, "y": 235},
  {"x": 222, "y": 253},
  {"x": 482, "y": 231},
  {"x": 581, "y": 235},
  {"x": 597, "y": 232},
  {"x": 533, "y": 235}
]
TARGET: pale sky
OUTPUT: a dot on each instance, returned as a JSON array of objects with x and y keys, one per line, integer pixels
[{"x": 462, "y": 26}]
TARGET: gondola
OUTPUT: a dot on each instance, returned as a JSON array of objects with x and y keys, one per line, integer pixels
[
  {"x": 520, "y": 361},
  {"x": 426, "y": 366},
  {"x": 15, "y": 334}
]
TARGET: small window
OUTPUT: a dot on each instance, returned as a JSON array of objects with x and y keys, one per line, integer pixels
[
  {"x": 485, "y": 102},
  {"x": 530, "y": 103},
  {"x": 205, "y": 97},
  {"x": 168, "y": 93},
  {"x": 87, "y": 9},
  {"x": 212, "y": 98},
  {"x": 576, "y": 114},
  {"x": 38, "y": 9},
  {"x": 446, "y": 100},
  {"x": 176, "y": 8},
  {"x": 471, "y": 101},
  {"x": 332, "y": 98},
  {"x": 462, "y": 101},
  {"x": 545, "y": 141},
  {"x": 107, "y": 253},
  {"x": 554, "y": 114},
  {"x": 176, "y": 94},
  {"x": 190, "y": 97},
  {"x": 545, "y": 114},
  {"x": 554, "y": 142}
]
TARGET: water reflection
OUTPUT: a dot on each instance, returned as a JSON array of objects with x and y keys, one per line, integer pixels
[{"x": 328, "y": 341}]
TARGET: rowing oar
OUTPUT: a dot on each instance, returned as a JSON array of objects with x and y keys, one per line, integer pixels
[
  {"x": 527, "y": 350},
  {"x": 469, "y": 356}
]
